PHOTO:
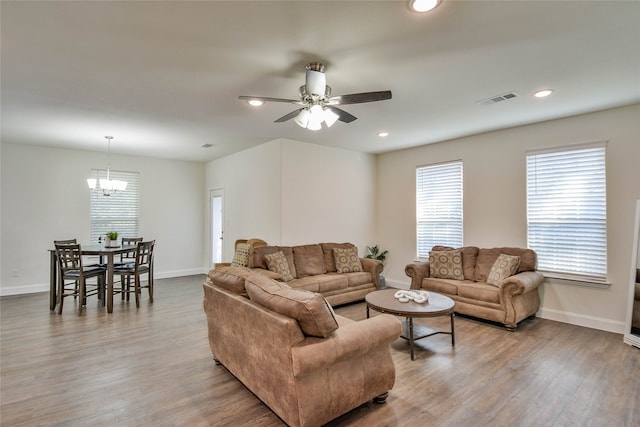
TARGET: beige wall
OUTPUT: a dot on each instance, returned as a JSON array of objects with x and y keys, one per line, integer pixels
[
  {"x": 45, "y": 197},
  {"x": 495, "y": 203},
  {"x": 290, "y": 192}
]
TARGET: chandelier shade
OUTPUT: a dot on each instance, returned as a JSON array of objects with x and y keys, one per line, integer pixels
[{"x": 108, "y": 186}]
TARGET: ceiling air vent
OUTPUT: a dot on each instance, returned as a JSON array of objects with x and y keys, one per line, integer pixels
[{"x": 496, "y": 99}]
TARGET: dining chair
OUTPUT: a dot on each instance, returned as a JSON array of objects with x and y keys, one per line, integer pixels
[
  {"x": 143, "y": 265},
  {"x": 72, "y": 280}
]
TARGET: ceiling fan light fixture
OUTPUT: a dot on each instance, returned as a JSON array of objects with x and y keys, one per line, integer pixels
[
  {"x": 255, "y": 102},
  {"x": 302, "y": 119},
  {"x": 330, "y": 117},
  {"x": 423, "y": 5}
]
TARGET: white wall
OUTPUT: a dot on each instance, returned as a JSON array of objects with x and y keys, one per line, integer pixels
[
  {"x": 495, "y": 203},
  {"x": 45, "y": 197},
  {"x": 290, "y": 192}
]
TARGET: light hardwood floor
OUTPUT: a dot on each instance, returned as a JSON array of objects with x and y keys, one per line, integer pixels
[{"x": 152, "y": 367}]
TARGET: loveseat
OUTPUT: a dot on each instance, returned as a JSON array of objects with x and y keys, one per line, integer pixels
[
  {"x": 497, "y": 284},
  {"x": 332, "y": 269},
  {"x": 293, "y": 352}
]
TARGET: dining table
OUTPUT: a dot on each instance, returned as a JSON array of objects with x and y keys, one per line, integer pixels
[{"x": 104, "y": 252}]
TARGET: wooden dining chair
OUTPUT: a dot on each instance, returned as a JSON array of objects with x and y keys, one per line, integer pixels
[
  {"x": 143, "y": 265},
  {"x": 72, "y": 280}
]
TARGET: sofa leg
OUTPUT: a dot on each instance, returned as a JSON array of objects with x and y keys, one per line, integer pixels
[
  {"x": 381, "y": 398},
  {"x": 216, "y": 360},
  {"x": 511, "y": 328}
]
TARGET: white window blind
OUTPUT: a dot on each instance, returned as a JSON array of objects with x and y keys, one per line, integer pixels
[
  {"x": 438, "y": 206},
  {"x": 118, "y": 212},
  {"x": 567, "y": 212}
]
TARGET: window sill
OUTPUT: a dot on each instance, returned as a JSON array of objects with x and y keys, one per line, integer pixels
[{"x": 568, "y": 279}]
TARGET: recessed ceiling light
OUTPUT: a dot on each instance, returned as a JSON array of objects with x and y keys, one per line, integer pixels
[
  {"x": 383, "y": 134},
  {"x": 543, "y": 93},
  {"x": 423, "y": 5},
  {"x": 255, "y": 102}
]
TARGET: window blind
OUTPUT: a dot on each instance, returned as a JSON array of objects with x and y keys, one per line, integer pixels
[
  {"x": 567, "y": 212},
  {"x": 118, "y": 212},
  {"x": 438, "y": 206}
]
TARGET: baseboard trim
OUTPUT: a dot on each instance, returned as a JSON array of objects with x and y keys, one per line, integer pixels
[
  {"x": 582, "y": 320},
  {"x": 44, "y": 287}
]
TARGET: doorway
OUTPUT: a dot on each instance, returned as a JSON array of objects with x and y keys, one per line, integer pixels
[{"x": 217, "y": 221}]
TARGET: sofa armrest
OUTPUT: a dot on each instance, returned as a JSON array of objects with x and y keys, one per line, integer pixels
[
  {"x": 522, "y": 283},
  {"x": 417, "y": 271},
  {"x": 221, "y": 264},
  {"x": 349, "y": 341},
  {"x": 374, "y": 267}
]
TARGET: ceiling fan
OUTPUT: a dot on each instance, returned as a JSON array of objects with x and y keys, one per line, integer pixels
[{"x": 318, "y": 106}]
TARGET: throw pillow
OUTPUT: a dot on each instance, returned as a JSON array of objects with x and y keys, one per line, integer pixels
[
  {"x": 311, "y": 310},
  {"x": 278, "y": 264},
  {"x": 505, "y": 266},
  {"x": 347, "y": 260},
  {"x": 241, "y": 257},
  {"x": 446, "y": 265}
]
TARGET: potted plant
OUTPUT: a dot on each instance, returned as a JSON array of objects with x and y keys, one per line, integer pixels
[
  {"x": 112, "y": 238},
  {"x": 376, "y": 253}
]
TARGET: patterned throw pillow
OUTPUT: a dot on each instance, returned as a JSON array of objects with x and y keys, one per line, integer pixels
[
  {"x": 446, "y": 265},
  {"x": 505, "y": 266},
  {"x": 241, "y": 257},
  {"x": 347, "y": 260},
  {"x": 278, "y": 264}
]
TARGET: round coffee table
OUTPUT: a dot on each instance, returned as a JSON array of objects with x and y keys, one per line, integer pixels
[{"x": 437, "y": 305}]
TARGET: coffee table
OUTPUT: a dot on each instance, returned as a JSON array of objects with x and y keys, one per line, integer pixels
[{"x": 437, "y": 305}]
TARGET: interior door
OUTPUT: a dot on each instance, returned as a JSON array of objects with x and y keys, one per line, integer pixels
[{"x": 217, "y": 222}]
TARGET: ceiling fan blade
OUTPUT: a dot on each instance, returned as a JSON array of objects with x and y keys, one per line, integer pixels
[
  {"x": 289, "y": 116},
  {"x": 343, "y": 116},
  {"x": 359, "y": 98},
  {"x": 266, "y": 99}
]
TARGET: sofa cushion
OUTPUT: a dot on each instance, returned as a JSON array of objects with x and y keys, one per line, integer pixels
[
  {"x": 241, "y": 256},
  {"x": 331, "y": 282},
  {"x": 446, "y": 265},
  {"x": 469, "y": 257},
  {"x": 312, "y": 311},
  {"x": 443, "y": 286},
  {"x": 347, "y": 260},
  {"x": 479, "y": 291},
  {"x": 230, "y": 278},
  {"x": 309, "y": 260},
  {"x": 278, "y": 263},
  {"x": 327, "y": 251},
  {"x": 257, "y": 257},
  {"x": 487, "y": 257},
  {"x": 505, "y": 266}
]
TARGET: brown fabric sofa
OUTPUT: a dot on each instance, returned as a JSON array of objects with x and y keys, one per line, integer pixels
[
  {"x": 290, "y": 349},
  {"x": 509, "y": 301},
  {"x": 313, "y": 268}
]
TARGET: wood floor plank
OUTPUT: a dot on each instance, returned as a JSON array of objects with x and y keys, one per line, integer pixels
[{"x": 153, "y": 366}]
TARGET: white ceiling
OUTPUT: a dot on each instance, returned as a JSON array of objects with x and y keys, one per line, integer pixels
[{"x": 164, "y": 77}]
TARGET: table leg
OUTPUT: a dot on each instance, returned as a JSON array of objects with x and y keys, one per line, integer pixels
[
  {"x": 453, "y": 333},
  {"x": 410, "y": 320},
  {"x": 53, "y": 279},
  {"x": 367, "y": 311},
  {"x": 110, "y": 283}
]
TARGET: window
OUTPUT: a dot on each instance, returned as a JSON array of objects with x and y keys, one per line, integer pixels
[
  {"x": 118, "y": 212},
  {"x": 567, "y": 212},
  {"x": 438, "y": 206}
]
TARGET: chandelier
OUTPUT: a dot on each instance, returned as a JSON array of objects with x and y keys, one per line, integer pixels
[{"x": 108, "y": 186}]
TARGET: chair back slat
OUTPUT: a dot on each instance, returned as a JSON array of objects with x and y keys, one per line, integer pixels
[
  {"x": 69, "y": 257},
  {"x": 144, "y": 253}
]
